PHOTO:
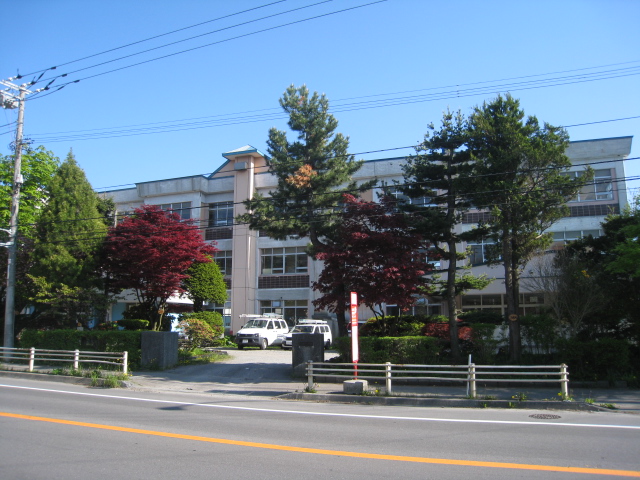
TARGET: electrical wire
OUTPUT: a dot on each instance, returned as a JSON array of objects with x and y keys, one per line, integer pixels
[{"x": 150, "y": 38}]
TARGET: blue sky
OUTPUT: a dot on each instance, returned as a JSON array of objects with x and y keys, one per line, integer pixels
[{"x": 415, "y": 57}]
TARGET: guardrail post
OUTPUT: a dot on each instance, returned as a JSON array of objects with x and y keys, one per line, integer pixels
[
  {"x": 471, "y": 378},
  {"x": 32, "y": 358},
  {"x": 388, "y": 377},
  {"x": 310, "y": 374},
  {"x": 76, "y": 359},
  {"x": 564, "y": 381},
  {"x": 125, "y": 362}
]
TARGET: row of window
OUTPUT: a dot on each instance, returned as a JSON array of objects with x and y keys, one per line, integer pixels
[{"x": 273, "y": 261}]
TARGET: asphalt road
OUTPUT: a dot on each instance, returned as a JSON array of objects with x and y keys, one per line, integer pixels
[{"x": 53, "y": 430}]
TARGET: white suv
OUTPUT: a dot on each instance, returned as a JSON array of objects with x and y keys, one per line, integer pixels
[
  {"x": 309, "y": 326},
  {"x": 261, "y": 331}
]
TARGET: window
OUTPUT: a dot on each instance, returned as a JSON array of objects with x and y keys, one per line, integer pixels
[
  {"x": 600, "y": 188},
  {"x": 480, "y": 252},
  {"x": 291, "y": 310},
  {"x": 417, "y": 201},
  {"x": 570, "y": 235},
  {"x": 181, "y": 208},
  {"x": 224, "y": 261},
  {"x": 220, "y": 214},
  {"x": 288, "y": 260}
]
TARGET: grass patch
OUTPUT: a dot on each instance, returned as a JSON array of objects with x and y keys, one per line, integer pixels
[{"x": 198, "y": 356}]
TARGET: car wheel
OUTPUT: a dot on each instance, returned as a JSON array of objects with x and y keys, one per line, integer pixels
[
  {"x": 327, "y": 345},
  {"x": 263, "y": 344},
  {"x": 240, "y": 347}
]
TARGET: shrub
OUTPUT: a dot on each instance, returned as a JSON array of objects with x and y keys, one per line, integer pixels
[
  {"x": 198, "y": 332},
  {"x": 393, "y": 326},
  {"x": 213, "y": 319},
  {"x": 398, "y": 350},
  {"x": 134, "y": 324},
  {"x": 484, "y": 343},
  {"x": 606, "y": 358},
  {"x": 539, "y": 333},
  {"x": 481, "y": 316}
]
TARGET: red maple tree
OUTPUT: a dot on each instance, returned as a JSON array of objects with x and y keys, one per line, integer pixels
[
  {"x": 374, "y": 255},
  {"x": 149, "y": 252}
]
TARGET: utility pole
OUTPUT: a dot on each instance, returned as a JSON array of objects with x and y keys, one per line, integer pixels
[{"x": 11, "y": 100}]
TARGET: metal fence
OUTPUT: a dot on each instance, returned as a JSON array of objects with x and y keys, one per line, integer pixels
[
  {"x": 75, "y": 357},
  {"x": 470, "y": 374}
]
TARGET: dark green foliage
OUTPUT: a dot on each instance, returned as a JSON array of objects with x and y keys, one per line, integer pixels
[
  {"x": 397, "y": 350},
  {"x": 134, "y": 324},
  {"x": 88, "y": 340},
  {"x": 441, "y": 172},
  {"x": 481, "y": 316},
  {"x": 519, "y": 176},
  {"x": 213, "y": 319},
  {"x": 394, "y": 326},
  {"x": 540, "y": 333},
  {"x": 604, "y": 359},
  {"x": 484, "y": 345},
  {"x": 198, "y": 332}
]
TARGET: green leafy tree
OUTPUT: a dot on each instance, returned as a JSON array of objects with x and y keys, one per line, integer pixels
[
  {"x": 437, "y": 182},
  {"x": 205, "y": 284},
  {"x": 520, "y": 179},
  {"x": 37, "y": 168},
  {"x": 67, "y": 238},
  {"x": 312, "y": 171}
]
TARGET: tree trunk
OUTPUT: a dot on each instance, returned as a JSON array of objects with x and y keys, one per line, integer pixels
[
  {"x": 456, "y": 354},
  {"x": 511, "y": 292}
]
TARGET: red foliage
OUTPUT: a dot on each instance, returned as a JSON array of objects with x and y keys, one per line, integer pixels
[
  {"x": 441, "y": 330},
  {"x": 373, "y": 255},
  {"x": 150, "y": 251}
]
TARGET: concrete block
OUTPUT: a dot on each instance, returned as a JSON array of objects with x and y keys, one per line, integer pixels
[
  {"x": 159, "y": 349},
  {"x": 355, "y": 387}
]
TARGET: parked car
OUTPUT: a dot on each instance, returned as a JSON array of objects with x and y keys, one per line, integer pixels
[
  {"x": 261, "y": 331},
  {"x": 309, "y": 326}
]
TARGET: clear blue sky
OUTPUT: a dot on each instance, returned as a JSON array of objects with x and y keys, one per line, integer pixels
[{"x": 420, "y": 57}]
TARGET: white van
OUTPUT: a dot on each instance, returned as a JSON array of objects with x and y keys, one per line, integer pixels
[
  {"x": 261, "y": 331},
  {"x": 309, "y": 326}
]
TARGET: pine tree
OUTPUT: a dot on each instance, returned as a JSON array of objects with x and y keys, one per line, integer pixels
[
  {"x": 437, "y": 181},
  {"x": 520, "y": 178},
  {"x": 312, "y": 172}
]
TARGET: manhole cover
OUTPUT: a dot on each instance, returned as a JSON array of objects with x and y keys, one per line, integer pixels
[{"x": 545, "y": 416}]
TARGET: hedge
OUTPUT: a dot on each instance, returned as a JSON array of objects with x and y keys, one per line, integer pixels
[
  {"x": 397, "y": 350},
  {"x": 88, "y": 340}
]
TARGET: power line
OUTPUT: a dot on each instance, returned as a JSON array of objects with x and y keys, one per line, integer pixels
[
  {"x": 235, "y": 119},
  {"x": 208, "y": 45},
  {"x": 150, "y": 38},
  {"x": 182, "y": 41}
]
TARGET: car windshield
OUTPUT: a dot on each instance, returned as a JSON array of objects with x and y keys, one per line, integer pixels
[
  {"x": 302, "y": 329},
  {"x": 256, "y": 324}
]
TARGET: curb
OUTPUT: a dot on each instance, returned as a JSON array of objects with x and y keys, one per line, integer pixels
[
  {"x": 58, "y": 378},
  {"x": 440, "y": 402}
]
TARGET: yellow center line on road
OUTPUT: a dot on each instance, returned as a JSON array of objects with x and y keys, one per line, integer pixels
[{"x": 338, "y": 453}]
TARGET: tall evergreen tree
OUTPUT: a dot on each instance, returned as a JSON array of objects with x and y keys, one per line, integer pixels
[
  {"x": 437, "y": 180},
  {"x": 312, "y": 172},
  {"x": 68, "y": 235},
  {"x": 520, "y": 178}
]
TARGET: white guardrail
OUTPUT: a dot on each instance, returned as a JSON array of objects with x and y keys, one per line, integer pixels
[
  {"x": 469, "y": 374},
  {"x": 76, "y": 357}
]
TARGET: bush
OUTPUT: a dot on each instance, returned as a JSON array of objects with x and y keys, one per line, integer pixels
[
  {"x": 539, "y": 333},
  {"x": 481, "y": 316},
  {"x": 393, "y": 326},
  {"x": 134, "y": 324},
  {"x": 398, "y": 350},
  {"x": 606, "y": 358},
  {"x": 88, "y": 340},
  {"x": 213, "y": 319},
  {"x": 484, "y": 343},
  {"x": 198, "y": 332}
]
